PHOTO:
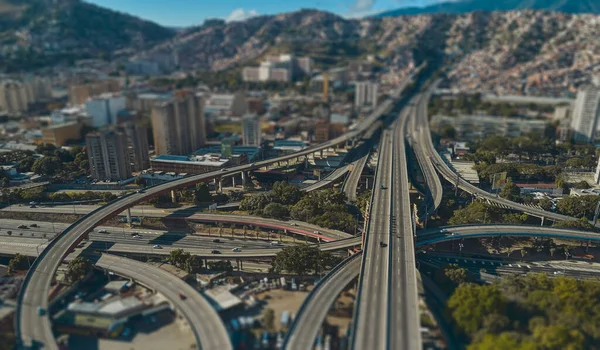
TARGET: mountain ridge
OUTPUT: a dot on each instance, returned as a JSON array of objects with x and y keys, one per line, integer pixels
[{"x": 466, "y": 6}]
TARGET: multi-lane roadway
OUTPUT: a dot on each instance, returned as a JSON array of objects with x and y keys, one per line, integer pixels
[
  {"x": 370, "y": 329},
  {"x": 404, "y": 321}
]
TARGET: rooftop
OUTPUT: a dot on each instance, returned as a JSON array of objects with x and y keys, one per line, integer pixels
[{"x": 210, "y": 159}]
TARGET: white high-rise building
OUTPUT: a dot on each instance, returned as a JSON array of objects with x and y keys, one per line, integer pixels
[
  {"x": 586, "y": 113},
  {"x": 366, "y": 94},
  {"x": 251, "y": 133},
  {"x": 104, "y": 108}
]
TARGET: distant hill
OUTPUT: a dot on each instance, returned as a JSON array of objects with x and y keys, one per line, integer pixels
[
  {"x": 465, "y": 6},
  {"x": 49, "y": 30}
]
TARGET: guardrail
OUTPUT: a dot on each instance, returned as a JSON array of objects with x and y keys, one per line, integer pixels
[{"x": 313, "y": 292}]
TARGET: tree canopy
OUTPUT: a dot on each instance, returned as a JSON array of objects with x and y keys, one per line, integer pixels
[
  {"x": 301, "y": 259},
  {"x": 78, "y": 268}
]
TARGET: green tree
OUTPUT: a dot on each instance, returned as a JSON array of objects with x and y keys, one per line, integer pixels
[
  {"x": 276, "y": 210},
  {"x": 579, "y": 207},
  {"x": 17, "y": 263},
  {"x": 140, "y": 181},
  {"x": 470, "y": 304},
  {"x": 269, "y": 319},
  {"x": 559, "y": 337},
  {"x": 581, "y": 224},
  {"x": 26, "y": 164},
  {"x": 46, "y": 166},
  {"x": 202, "y": 193},
  {"x": 582, "y": 185},
  {"x": 510, "y": 191},
  {"x": 78, "y": 268},
  {"x": 301, "y": 259},
  {"x": 46, "y": 149},
  {"x": 476, "y": 213},
  {"x": 284, "y": 193},
  {"x": 504, "y": 341},
  {"x": 448, "y": 131}
]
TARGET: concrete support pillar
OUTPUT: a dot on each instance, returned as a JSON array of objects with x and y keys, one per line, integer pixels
[
  {"x": 173, "y": 196},
  {"x": 129, "y": 216},
  {"x": 542, "y": 221},
  {"x": 243, "y": 178},
  {"x": 238, "y": 264},
  {"x": 233, "y": 181},
  {"x": 220, "y": 185},
  {"x": 241, "y": 264},
  {"x": 367, "y": 183},
  {"x": 321, "y": 153}
]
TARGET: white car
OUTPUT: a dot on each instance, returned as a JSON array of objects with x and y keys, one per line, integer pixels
[
  {"x": 293, "y": 224},
  {"x": 237, "y": 249},
  {"x": 454, "y": 234},
  {"x": 137, "y": 236},
  {"x": 443, "y": 230},
  {"x": 102, "y": 231},
  {"x": 157, "y": 246},
  {"x": 275, "y": 243}
]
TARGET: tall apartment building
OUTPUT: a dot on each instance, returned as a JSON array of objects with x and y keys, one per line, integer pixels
[
  {"x": 13, "y": 97},
  {"x": 104, "y": 108},
  {"x": 366, "y": 94},
  {"x": 178, "y": 125},
  {"x": 108, "y": 155},
  {"x": 322, "y": 131},
  {"x": 586, "y": 113},
  {"x": 137, "y": 146},
  {"x": 251, "y": 132},
  {"x": 79, "y": 93}
]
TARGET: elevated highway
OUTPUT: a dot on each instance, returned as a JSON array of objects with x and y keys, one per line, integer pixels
[
  {"x": 30, "y": 329},
  {"x": 404, "y": 320},
  {"x": 370, "y": 329},
  {"x": 455, "y": 179},
  {"x": 316, "y": 305}
]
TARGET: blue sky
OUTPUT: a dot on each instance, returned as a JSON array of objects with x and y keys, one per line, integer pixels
[{"x": 191, "y": 12}]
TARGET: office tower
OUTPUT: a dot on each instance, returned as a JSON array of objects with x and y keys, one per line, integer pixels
[
  {"x": 104, "y": 108},
  {"x": 366, "y": 94},
  {"x": 251, "y": 133},
  {"x": 108, "y": 155},
  {"x": 137, "y": 146},
  {"x": 178, "y": 125},
  {"x": 586, "y": 112}
]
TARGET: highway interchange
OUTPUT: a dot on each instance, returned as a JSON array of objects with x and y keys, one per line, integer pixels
[{"x": 386, "y": 314}]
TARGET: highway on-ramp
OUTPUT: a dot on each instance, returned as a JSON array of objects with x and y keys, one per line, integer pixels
[
  {"x": 455, "y": 179},
  {"x": 209, "y": 330},
  {"x": 316, "y": 305}
]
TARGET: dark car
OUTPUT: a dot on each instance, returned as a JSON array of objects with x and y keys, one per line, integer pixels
[
  {"x": 217, "y": 241},
  {"x": 215, "y": 252},
  {"x": 182, "y": 297},
  {"x": 382, "y": 245},
  {"x": 33, "y": 225}
]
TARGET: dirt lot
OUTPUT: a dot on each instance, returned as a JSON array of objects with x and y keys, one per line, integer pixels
[{"x": 282, "y": 300}]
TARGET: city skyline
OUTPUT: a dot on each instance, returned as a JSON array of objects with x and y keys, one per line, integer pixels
[{"x": 182, "y": 13}]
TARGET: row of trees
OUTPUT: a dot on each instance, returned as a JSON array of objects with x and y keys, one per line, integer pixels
[
  {"x": 185, "y": 260},
  {"x": 483, "y": 213},
  {"x": 38, "y": 195},
  {"x": 301, "y": 259},
  {"x": 325, "y": 208},
  {"x": 528, "y": 312}
]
